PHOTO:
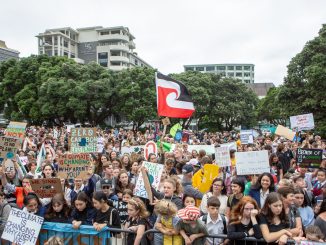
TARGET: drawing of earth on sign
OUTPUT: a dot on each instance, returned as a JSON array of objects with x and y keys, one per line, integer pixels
[
  {"x": 10, "y": 155},
  {"x": 83, "y": 142}
]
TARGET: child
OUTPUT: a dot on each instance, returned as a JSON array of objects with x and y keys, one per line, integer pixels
[
  {"x": 83, "y": 213},
  {"x": 105, "y": 215},
  {"x": 122, "y": 206},
  {"x": 166, "y": 221},
  {"x": 215, "y": 223},
  {"x": 313, "y": 233},
  {"x": 188, "y": 200},
  {"x": 190, "y": 224},
  {"x": 137, "y": 220},
  {"x": 58, "y": 210},
  {"x": 319, "y": 183}
]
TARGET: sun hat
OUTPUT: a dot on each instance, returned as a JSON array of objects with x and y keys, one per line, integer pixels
[{"x": 190, "y": 213}]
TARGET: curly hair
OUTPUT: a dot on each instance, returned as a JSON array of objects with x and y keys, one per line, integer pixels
[
  {"x": 174, "y": 180},
  {"x": 139, "y": 205},
  {"x": 237, "y": 211},
  {"x": 164, "y": 207}
]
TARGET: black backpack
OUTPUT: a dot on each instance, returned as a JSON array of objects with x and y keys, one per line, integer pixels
[{"x": 204, "y": 219}]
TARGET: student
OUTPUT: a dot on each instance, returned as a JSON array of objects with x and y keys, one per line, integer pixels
[
  {"x": 105, "y": 215},
  {"x": 83, "y": 212},
  {"x": 313, "y": 233},
  {"x": 243, "y": 222},
  {"x": 215, "y": 223},
  {"x": 122, "y": 206},
  {"x": 321, "y": 218},
  {"x": 237, "y": 186},
  {"x": 4, "y": 212},
  {"x": 263, "y": 186},
  {"x": 80, "y": 187},
  {"x": 66, "y": 190},
  {"x": 319, "y": 183},
  {"x": 136, "y": 221},
  {"x": 107, "y": 188},
  {"x": 299, "y": 182},
  {"x": 58, "y": 210},
  {"x": 188, "y": 200},
  {"x": 48, "y": 171},
  {"x": 306, "y": 213},
  {"x": 108, "y": 175},
  {"x": 123, "y": 182},
  {"x": 295, "y": 223},
  {"x": 190, "y": 227},
  {"x": 273, "y": 221},
  {"x": 33, "y": 205},
  {"x": 166, "y": 221}
]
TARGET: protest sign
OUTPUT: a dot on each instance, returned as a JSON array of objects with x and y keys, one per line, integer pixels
[
  {"x": 9, "y": 166},
  {"x": 154, "y": 171},
  {"x": 203, "y": 184},
  {"x": 73, "y": 166},
  {"x": 9, "y": 147},
  {"x": 309, "y": 158},
  {"x": 22, "y": 228},
  {"x": 44, "y": 188},
  {"x": 302, "y": 122},
  {"x": 210, "y": 149},
  {"x": 285, "y": 132},
  {"x": 252, "y": 162},
  {"x": 246, "y": 137},
  {"x": 24, "y": 160},
  {"x": 231, "y": 146},
  {"x": 147, "y": 185},
  {"x": 222, "y": 156},
  {"x": 16, "y": 130},
  {"x": 83, "y": 140},
  {"x": 132, "y": 149},
  {"x": 149, "y": 148}
]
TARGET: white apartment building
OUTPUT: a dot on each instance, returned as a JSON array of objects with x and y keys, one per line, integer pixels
[
  {"x": 244, "y": 72},
  {"x": 7, "y": 53},
  {"x": 111, "y": 47}
]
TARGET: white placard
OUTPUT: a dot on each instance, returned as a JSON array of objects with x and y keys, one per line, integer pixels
[
  {"x": 154, "y": 172},
  {"x": 231, "y": 145},
  {"x": 24, "y": 160},
  {"x": 246, "y": 137},
  {"x": 302, "y": 122},
  {"x": 210, "y": 149},
  {"x": 22, "y": 228},
  {"x": 222, "y": 156},
  {"x": 252, "y": 162},
  {"x": 131, "y": 149}
]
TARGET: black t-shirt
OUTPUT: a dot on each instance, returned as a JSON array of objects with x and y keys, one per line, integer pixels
[
  {"x": 232, "y": 201},
  {"x": 122, "y": 208},
  {"x": 272, "y": 227},
  {"x": 134, "y": 222},
  {"x": 237, "y": 231},
  {"x": 105, "y": 218}
]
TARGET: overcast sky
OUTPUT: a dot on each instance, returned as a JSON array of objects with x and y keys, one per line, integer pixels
[{"x": 173, "y": 33}]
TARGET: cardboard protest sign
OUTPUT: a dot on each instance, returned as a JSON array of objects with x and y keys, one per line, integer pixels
[
  {"x": 147, "y": 185},
  {"x": 285, "y": 132},
  {"x": 132, "y": 149},
  {"x": 149, "y": 148},
  {"x": 83, "y": 140},
  {"x": 9, "y": 147},
  {"x": 44, "y": 188},
  {"x": 302, "y": 122},
  {"x": 73, "y": 166},
  {"x": 252, "y": 162},
  {"x": 22, "y": 228},
  {"x": 16, "y": 130},
  {"x": 210, "y": 149},
  {"x": 231, "y": 145},
  {"x": 211, "y": 171},
  {"x": 246, "y": 137},
  {"x": 309, "y": 158},
  {"x": 222, "y": 156},
  {"x": 154, "y": 171},
  {"x": 9, "y": 166}
]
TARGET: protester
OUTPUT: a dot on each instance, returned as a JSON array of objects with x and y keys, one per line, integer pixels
[
  {"x": 263, "y": 186},
  {"x": 306, "y": 212},
  {"x": 58, "y": 210},
  {"x": 83, "y": 212},
  {"x": 237, "y": 186},
  {"x": 321, "y": 218}
]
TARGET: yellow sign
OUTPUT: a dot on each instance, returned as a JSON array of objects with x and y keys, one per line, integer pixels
[{"x": 203, "y": 179}]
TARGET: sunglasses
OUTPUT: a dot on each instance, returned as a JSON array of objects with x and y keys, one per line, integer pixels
[{"x": 106, "y": 187}]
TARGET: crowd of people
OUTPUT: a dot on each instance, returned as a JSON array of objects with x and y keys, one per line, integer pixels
[{"x": 286, "y": 203}]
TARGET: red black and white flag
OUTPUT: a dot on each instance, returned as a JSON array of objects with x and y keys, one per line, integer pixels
[{"x": 173, "y": 98}]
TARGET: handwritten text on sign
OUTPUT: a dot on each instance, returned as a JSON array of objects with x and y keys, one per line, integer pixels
[
  {"x": 9, "y": 147},
  {"x": 73, "y": 166},
  {"x": 22, "y": 228},
  {"x": 154, "y": 172},
  {"x": 16, "y": 130},
  {"x": 252, "y": 162},
  {"x": 222, "y": 156},
  {"x": 83, "y": 140},
  {"x": 44, "y": 188}
]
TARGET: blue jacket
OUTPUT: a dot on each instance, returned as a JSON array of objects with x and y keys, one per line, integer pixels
[
  {"x": 89, "y": 189},
  {"x": 86, "y": 216},
  {"x": 255, "y": 194}
]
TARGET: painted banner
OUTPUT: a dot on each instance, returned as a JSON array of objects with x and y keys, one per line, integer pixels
[
  {"x": 9, "y": 166},
  {"x": 302, "y": 122},
  {"x": 154, "y": 171},
  {"x": 83, "y": 140},
  {"x": 85, "y": 234},
  {"x": 132, "y": 149},
  {"x": 22, "y": 228},
  {"x": 73, "y": 166},
  {"x": 309, "y": 158},
  {"x": 44, "y": 188},
  {"x": 285, "y": 132},
  {"x": 252, "y": 162},
  {"x": 16, "y": 130},
  {"x": 222, "y": 156},
  {"x": 149, "y": 148},
  {"x": 9, "y": 147},
  {"x": 24, "y": 160},
  {"x": 246, "y": 137},
  {"x": 203, "y": 183}
]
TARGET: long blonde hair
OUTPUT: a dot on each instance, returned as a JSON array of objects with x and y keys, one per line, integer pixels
[
  {"x": 139, "y": 205},
  {"x": 165, "y": 207}
]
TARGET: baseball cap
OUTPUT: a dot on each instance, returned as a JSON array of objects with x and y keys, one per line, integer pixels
[
  {"x": 189, "y": 213},
  {"x": 186, "y": 169},
  {"x": 106, "y": 182}
]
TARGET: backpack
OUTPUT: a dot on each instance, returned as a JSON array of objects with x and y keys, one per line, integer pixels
[{"x": 204, "y": 219}]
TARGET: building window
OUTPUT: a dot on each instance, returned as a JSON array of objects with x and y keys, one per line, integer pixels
[
  {"x": 199, "y": 68},
  {"x": 246, "y": 68},
  {"x": 231, "y": 68},
  {"x": 238, "y": 68},
  {"x": 238, "y": 74},
  {"x": 230, "y": 74},
  {"x": 65, "y": 44},
  {"x": 246, "y": 74},
  {"x": 223, "y": 74},
  {"x": 247, "y": 81},
  {"x": 210, "y": 68},
  {"x": 221, "y": 68},
  {"x": 102, "y": 33},
  {"x": 103, "y": 59},
  {"x": 115, "y": 32},
  {"x": 189, "y": 68},
  {"x": 136, "y": 62},
  {"x": 65, "y": 53}
]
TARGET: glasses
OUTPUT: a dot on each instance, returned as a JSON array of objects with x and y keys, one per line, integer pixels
[
  {"x": 217, "y": 185},
  {"x": 106, "y": 187}
]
